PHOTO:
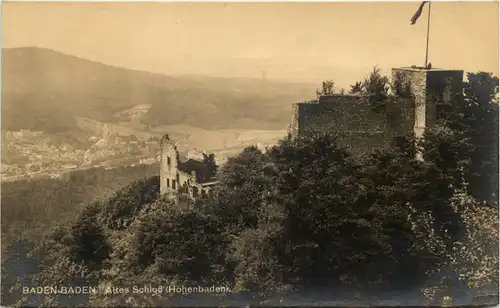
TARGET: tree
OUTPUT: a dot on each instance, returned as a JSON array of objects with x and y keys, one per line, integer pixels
[
  {"x": 398, "y": 191},
  {"x": 401, "y": 86},
  {"x": 210, "y": 163},
  {"x": 482, "y": 86},
  {"x": 474, "y": 116},
  {"x": 357, "y": 88},
  {"x": 334, "y": 222},
  {"x": 464, "y": 156},
  {"x": 472, "y": 262},
  {"x": 121, "y": 209},
  {"x": 445, "y": 158},
  {"x": 167, "y": 245},
  {"x": 449, "y": 151},
  {"x": 176, "y": 242},
  {"x": 480, "y": 121},
  {"x": 73, "y": 254},
  {"x": 88, "y": 244},
  {"x": 256, "y": 255},
  {"x": 242, "y": 187},
  {"x": 376, "y": 86},
  {"x": 475, "y": 259},
  {"x": 327, "y": 88}
]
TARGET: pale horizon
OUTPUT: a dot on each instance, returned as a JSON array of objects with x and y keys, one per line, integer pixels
[{"x": 294, "y": 42}]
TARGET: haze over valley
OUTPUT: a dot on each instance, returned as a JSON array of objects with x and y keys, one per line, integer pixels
[{"x": 60, "y": 112}]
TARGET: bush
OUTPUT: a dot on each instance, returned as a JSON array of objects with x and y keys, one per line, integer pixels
[{"x": 121, "y": 209}]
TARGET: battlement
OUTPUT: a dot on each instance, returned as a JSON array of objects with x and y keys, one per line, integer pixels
[
  {"x": 307, "y": 102},
  {"x": 324, "y": 97},
  {"x": 430, "y": 81},
  {"x": 421, "y": 68}
]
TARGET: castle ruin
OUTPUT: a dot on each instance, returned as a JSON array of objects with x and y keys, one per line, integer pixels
[
  {"x": 190, "y": 177},
  {"x": 362, "y": 126}
]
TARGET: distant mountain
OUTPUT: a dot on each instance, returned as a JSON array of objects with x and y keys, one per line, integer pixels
[{"x": 46, "y": 90}]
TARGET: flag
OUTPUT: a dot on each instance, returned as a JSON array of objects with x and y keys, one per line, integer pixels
[{"x": 418, "y": 12}]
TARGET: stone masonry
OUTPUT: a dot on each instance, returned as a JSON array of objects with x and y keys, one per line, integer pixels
[
  {"x": 362, "y": 126},
  {"x": 190, "y": 177}
]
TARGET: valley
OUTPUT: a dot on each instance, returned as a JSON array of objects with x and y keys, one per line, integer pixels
[
  {"x": 62, "y": 113},
  {"x": 28, "y": 154}
]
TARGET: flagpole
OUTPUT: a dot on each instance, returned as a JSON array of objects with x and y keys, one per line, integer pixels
[{"x": 428, "y": 27}]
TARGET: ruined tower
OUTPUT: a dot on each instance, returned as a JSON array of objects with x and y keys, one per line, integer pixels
[
  {"x": 168, "y": 166},
  {"x": 427, "y": 87}
]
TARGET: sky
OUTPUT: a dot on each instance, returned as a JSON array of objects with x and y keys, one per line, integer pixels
[{"x": 303, "y": 42}]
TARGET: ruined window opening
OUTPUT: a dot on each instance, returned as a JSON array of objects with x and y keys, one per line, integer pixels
[
  {"x": 173, "y": 184},
  {"x": 168, "y": 182},
  {"x": 168, "y": 160}
]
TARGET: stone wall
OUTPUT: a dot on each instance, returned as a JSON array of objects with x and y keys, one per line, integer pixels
[
  {"x": 359, "y": 125},
  {"x": 427, "y": 87},
  {"x": 194, "y": 189},
  {"x": 186, "y": 179}
]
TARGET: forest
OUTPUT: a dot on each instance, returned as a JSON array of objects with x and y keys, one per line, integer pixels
[
  {"x": 31, "y": 207},
  {"x": 302, "y": 221}
]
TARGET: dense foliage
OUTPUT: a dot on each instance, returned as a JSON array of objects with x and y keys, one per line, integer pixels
[
  {"x": 29, "y": 207},
  {"x": 474, "y": 119}
]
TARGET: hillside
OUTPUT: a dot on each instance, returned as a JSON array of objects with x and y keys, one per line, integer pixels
[
  {"x": 45, "y": 90},
  {"x": 32, "y": 207}
]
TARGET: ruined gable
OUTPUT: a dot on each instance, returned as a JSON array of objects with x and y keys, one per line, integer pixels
[{"x": 191, "y": 177}]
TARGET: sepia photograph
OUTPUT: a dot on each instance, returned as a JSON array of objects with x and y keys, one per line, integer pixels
[{"x": 249, "y": 154}]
